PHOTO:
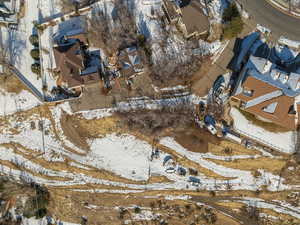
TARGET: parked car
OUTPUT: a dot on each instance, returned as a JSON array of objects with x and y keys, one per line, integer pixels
[
  {"x": 168, "y": 159},
  {"x": 195, "y": 181},
  {"x": 181, "y": 171},
  {"x": 170, "y": 170}
]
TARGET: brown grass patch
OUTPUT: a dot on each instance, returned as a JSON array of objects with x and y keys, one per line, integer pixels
[
  {"x": 78, "y": 129},
  {"x": 67, "y": 205},
  {"x": 218, "y": 149},
  {"x": 195, "y": 139},
  {"x": 99, "y": 127},
  {"x": 268, "y": 164},
  {"x": 73, "y": 132},
  {"x": 158, "y": 179},
  {"x": 283, "y": 216},
  {"x": 22, "y": 168},
  {"x": 11, "y": 84},
  {"x": 231, "y": 205},
  {"x": 22, "y": 9}
]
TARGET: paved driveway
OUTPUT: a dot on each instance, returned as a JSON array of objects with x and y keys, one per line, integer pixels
[{"x": 265, "y": 14}]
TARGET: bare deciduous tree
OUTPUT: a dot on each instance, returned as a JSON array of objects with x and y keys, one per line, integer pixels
[
  {"x": 112, "y": 35},
  {"x": 217, "y": 110},
  {"x": 175, "y": 65},
  {"x": 98, "y": 31},
  {"x": 155, "y": 121}
]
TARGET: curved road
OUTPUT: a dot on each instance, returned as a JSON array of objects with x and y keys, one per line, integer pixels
[{"x": 266, "y": 15}]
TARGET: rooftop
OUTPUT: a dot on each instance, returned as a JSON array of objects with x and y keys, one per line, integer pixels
[
  {"x": 262, "y": 69},
  {"x": 269, "y": 92},
  {"x": 77, "y": 65}
]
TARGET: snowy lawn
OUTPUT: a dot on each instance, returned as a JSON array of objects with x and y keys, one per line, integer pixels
[
  {"x": 11, "y": 102},
  {"x": 284, "y": 142},
  {"x": 122, "y": 154}
]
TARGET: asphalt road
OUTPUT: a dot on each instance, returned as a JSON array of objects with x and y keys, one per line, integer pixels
[{"x": 265, "y": 14}]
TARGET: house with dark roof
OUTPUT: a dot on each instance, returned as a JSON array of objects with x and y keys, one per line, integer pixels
[
  {"x": 75, "y": 63},
  {"x": 187, "y": 16},
  {"x": 269, "y": 92}
]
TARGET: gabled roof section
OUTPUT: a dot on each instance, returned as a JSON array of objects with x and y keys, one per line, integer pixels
[
  {"x": 71, "y": 53},
  {"x": 263, "y": 70},
  {"x": 263, "y": 98}
]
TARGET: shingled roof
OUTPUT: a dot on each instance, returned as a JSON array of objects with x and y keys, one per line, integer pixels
[
  {"x": 70, "y": 58},
  {"x": 269, "y": 93}
]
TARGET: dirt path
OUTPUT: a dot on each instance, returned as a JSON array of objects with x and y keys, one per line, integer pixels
[
  {"x": 75, "y": 135},
  {"x": 211, "y": 201}
]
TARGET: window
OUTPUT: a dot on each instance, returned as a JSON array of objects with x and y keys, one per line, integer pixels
[{"x": 292, "y": 110}]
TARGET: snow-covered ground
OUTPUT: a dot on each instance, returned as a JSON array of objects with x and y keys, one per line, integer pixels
[
  {"x": 279, "y": 207},
  {"x": 122, "y": 154},
  {"x": 11, "y": 102},
  {"x": 216, "y": 8},
  {"x": 20, "y": 46},
  {"x": 241, "y": 179},
  {"x": 284, "y": 142},
  {"x": 43, "y": 221}
]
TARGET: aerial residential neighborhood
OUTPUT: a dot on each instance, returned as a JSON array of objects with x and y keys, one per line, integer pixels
[{"x": 178, "y": 112}]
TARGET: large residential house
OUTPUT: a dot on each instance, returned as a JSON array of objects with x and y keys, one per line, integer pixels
[
  {"x": 187, "y": 16},
  {"x": 75, "y": 63},
  {"x": 269, "y": 92}
]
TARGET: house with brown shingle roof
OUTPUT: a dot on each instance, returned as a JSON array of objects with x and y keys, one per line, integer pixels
[
  {"x": 187, "y": 16},
  {"x": 270, "y": 93},
  {"x": 76, "y": 65}
]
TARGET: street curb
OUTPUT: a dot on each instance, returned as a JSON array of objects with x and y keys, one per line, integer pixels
[{"x": 270, "y": 2}]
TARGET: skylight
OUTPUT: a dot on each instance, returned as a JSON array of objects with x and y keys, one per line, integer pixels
[{"x": 270, "y": 108}]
